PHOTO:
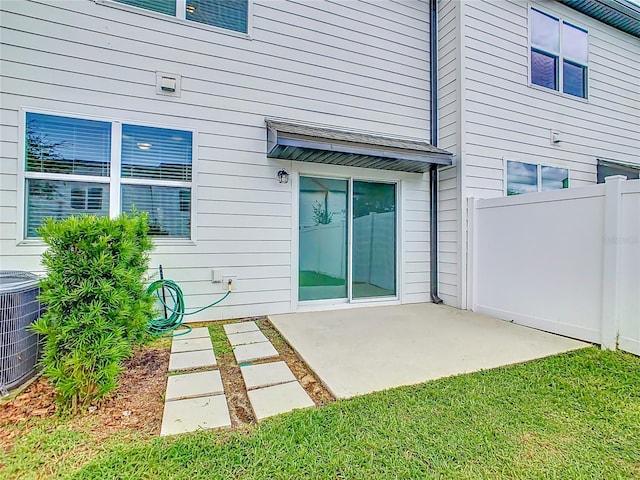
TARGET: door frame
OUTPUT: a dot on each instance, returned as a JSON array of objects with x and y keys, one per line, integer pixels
[{"x": 350, "y": 174}]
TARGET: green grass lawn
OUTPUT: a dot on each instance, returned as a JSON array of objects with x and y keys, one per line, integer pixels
[
  {"x": 571, "y": 416},
  {"x": 315, "y": 279}
]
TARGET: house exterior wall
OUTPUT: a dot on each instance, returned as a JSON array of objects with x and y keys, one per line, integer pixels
[
  {"x": 506, "y": 118},
  {"x": 449, "y": 138},
  {"x": 500, "y": 116},
  {"x": 356, "y": 65}
]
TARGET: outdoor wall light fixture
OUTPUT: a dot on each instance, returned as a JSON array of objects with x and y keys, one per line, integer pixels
[{"x": 283, "y": 176}]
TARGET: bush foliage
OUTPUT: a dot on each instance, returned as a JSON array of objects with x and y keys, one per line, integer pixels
[{"x": 97, "y": 306}]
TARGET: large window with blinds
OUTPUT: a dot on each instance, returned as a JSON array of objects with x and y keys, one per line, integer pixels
[
  {"x": 227, "y": 14},
  {"x": 76, "y": 166}
]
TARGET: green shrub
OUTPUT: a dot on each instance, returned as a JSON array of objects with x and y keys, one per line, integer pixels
[{"x": 97, "y": 307}]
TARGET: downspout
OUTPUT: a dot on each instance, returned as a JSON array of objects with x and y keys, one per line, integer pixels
[{"x": 433, "y": 169}]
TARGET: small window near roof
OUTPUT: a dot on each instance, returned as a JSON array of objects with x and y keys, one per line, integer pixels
[{"x": 559, "y": 54}]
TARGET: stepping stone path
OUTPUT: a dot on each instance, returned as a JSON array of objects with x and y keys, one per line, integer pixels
[
  {"x": 272, "y": 387},
  {"x": 196, "y": 400}
]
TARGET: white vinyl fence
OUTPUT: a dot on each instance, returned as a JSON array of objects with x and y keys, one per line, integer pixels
[
  {"x": 322, "y": 249},
  {"x": 564, "y": 261}
]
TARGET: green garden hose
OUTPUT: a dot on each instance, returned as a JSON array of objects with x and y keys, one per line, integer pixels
[{"x": 162, "y": 326}]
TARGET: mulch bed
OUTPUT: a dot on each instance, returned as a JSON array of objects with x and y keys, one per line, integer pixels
[{"x": 137, "y": 405}]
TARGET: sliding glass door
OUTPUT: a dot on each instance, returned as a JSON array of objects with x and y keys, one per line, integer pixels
[
  {"x": 347, "y": 239},
  {"x": 323, "y": 238},
  {"x": 374, "y": 240}
]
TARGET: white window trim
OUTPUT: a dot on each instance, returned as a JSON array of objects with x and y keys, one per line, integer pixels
[
  {"x": 180, "y": 17},
  {"x": 113, "y": 180},
  {"x": 560, "y": 55},
  {"x": 538, "y": 165}
]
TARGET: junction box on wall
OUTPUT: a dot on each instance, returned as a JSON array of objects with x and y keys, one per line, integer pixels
[{"x": 218, "y": 276}]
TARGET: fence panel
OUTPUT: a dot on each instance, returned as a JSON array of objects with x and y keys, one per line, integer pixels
[
  {"x": 565, "y": 261},
  {"x": 629, "y": 245}
]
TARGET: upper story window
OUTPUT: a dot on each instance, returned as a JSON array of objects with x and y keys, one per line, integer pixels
[
  {"x": 531, "y": 177},
  {"x": 228, "y": 14},
  {"x": 559, "y": 54},
  {"x": 75, "y": 166}
]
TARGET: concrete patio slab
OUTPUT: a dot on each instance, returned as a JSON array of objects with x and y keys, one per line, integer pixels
[
  {"x": 254, "y": 351},
  {"x": 181, "y": 416},
  {"x": 191, "y": 360},
  {"x": 191, "y": 345},
  {"x": 241, "y": 327},
  {"x": 277, "y": 399},
  {"x": 199, "y": 332},
  {"x": 357, "y": 351},
  {"x": 245, "y": 338},
  {"x": 266, "y": 374},
  {"x": 189, "y": 385}
]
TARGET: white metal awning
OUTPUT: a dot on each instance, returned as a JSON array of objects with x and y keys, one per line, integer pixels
[{"x": 322, "y": 144}]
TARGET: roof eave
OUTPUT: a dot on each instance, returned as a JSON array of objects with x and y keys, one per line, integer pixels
[{"x": 620, "y": 14}]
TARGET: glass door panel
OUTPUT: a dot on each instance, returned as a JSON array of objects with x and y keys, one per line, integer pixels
[
  {"x": 322, "y": 239},
  {"x": 374, "y": 240}
]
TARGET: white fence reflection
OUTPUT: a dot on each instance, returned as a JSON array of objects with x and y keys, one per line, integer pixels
[{"x": 323, "y": 249}]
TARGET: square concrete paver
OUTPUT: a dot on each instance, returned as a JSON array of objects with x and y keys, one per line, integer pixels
[
  {"x": 254, "y": 351},
  {"x": 193, "y": 414},
  {"x": 277, "y": 399},
  {"x": 240, "y": 327},
  {"x": 245, "y": 338},
  {"x": 200, "y": 332},
  {"x": 266, "y": 374},
  {"x": 197, "y": 384},
  {"x": 191, "y": 345},
  {"x": 189, "y": 360}
]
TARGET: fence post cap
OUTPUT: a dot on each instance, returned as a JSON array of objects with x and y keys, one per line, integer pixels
[{"x": 614, "y": 178}]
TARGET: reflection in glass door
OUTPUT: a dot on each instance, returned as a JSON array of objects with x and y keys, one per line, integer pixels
[
  {"x": 324, "y": 239},
  {"x": 374, "y": 240}
]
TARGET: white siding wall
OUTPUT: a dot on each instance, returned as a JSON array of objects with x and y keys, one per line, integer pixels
[
  {"x": 500, "y": 116},
  {"x": 449, "y": 75},
  {"x": 414, "y": 249},
  {"x": 507, "y": 118},
  {"x": 448, "y": 236},
  {"x": 450, "y": 111},
  {"x": 358, "y": 65}
]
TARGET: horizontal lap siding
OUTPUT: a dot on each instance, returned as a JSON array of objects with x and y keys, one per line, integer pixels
[
  {"x": 448, "y": 228},
  {"x": 449, "y": 139},
  {"x": 416, "y": 245},
  {"x": 506, "y": 118},
  {"x": 357, "y": 65}
]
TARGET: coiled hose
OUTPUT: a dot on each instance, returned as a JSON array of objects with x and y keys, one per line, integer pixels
[{"x": 162, "y": 326}]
